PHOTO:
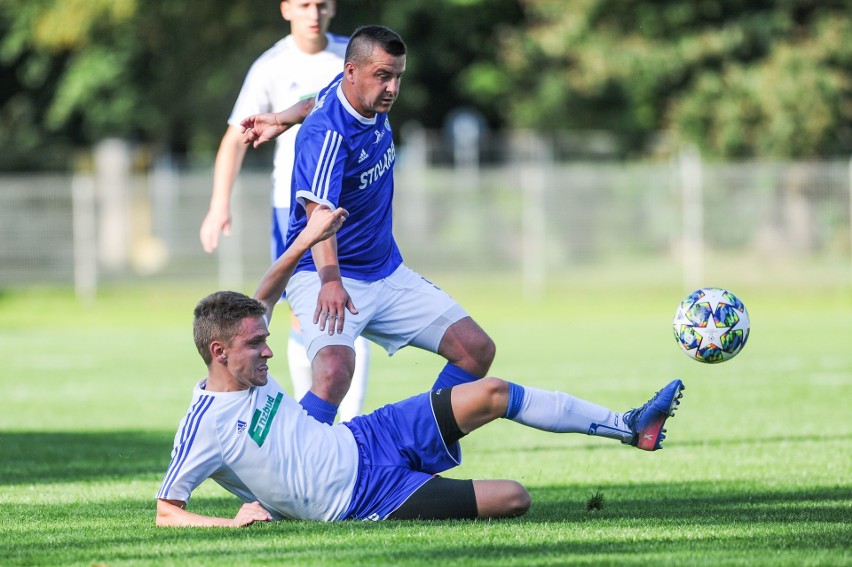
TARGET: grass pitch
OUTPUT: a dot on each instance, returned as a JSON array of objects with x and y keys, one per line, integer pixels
[{"x": 757, "y": 469}]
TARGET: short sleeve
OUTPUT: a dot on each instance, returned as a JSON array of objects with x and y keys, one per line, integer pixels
[
  {"x": 321, "y": 157},
  {"x": 254, "y": 97},
  {"x": 196, "y": 455}
]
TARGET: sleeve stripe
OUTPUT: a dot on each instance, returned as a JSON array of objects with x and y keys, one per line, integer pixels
[
  {"x": 330, "y": 166},
  {"x": 187, "y": 436},
  {"x": 325, "y": 164}
]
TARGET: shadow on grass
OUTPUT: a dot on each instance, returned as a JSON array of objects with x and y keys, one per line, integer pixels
[
  {"x": 694, "y": 503},
  {"x": 630, "y": 530},
  {"x": 640, "y": 523},
  {"x": 50, "y": 457},
  {"x": 604, "y": 445}
]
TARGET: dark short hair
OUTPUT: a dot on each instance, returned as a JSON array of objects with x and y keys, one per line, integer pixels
[
  {"x": 218, "y": 317},
  {"x": 365, "y": 38}
]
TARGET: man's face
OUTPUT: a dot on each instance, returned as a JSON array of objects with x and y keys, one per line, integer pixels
[
  {"x": 375, "y": 82},
  {"x": 248, "y": 353},
  {"x": 308, "y": 18}
]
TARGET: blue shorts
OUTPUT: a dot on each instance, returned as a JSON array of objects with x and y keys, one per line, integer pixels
[{"x": 400, "y": 447}]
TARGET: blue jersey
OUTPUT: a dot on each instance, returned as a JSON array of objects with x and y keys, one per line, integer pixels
[{"x": 346, "y": 160}]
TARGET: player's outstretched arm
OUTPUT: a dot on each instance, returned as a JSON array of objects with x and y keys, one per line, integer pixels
[
  {"x": 171, "y": 513},
  {"x": 260, "y": 128},
  {"x": 229, "y": 161},
  {"x": 322, "y": 224},
  {"x": 333, "y": 300}
]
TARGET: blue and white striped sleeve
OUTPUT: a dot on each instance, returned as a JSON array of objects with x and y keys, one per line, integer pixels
[
  {"x": 195, "y": 456},
  {"x": 318, "y": 173}
]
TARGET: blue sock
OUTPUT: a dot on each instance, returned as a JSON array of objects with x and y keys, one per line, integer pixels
[
  {"x": 452, "y": 375},
  {"x": 516, "y": 400},
  {"x": 318, "y": 408}
]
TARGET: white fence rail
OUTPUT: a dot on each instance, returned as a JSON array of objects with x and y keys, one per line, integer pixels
[{"x": 773, "y": 223}]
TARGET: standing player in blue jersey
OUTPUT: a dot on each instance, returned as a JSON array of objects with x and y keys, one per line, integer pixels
[
  {"x": 356, "y": 283},
  {"x": 243, "y": 431},
  {"x": 292, "y": 70}
]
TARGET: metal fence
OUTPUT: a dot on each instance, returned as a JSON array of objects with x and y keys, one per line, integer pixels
[{"x": 772, "y": 223}]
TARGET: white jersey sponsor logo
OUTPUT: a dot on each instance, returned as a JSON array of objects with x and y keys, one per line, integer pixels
[{"x": 384, "y": 164}]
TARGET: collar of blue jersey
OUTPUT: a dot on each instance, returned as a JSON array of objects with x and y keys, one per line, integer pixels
[{"x": 355, "y": 114}]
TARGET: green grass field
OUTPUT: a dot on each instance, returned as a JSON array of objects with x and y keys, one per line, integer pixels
[{"x": 757, "y": 469}]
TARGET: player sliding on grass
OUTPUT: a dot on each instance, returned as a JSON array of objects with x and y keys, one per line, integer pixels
[{"x": 244, "y": 431}]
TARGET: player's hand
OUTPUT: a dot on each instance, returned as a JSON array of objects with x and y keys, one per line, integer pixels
[
  {"x": 260, "y": 128},
  {"x": 332, "y": 304},
  {"x": 251, "y": 513},
  {"x": 214, "y": 223},
  {"x": 323, "y": 223}
]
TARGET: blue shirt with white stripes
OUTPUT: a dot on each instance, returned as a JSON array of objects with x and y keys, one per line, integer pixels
[{"x": 346, "y": 160}]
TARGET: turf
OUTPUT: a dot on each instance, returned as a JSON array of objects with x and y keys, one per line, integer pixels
[{"x": 757, "y": 469}]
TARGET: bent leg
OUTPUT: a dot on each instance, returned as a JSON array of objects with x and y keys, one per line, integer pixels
[
  {"x": 439, "y": 498},
  {"x": 477, "y": 403},
  {"x": 353, "y": 401},
  {"x": 467, "y": 346},
  {"x": 501, "y": 498},
  {"x": 451, "y": 499},
  {"x": 332, "y": 368}
]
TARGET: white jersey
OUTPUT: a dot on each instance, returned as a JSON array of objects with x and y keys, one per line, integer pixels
[
  {"x": 278, "y": 79},
  {"x": 259, "y": 444}
]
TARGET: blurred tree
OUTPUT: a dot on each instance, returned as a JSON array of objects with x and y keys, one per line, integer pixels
[
  {"x": 76, "y": 71},
  {"x": 444, "y": 38},
  {"x": 762, "y": 78},
  {"x": 166, "y": 73},
  {"x": 735, "y": 79}
]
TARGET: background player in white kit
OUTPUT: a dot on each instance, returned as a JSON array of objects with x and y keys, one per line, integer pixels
[
  {"x": 293, "y": 70},
  {"x": 246, "y": 433}
]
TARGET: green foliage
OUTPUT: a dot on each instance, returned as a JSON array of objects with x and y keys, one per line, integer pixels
[
  {"x": 91, "y": 70},
  {"x": 735, "y": 79},
  {"x": 167, "y": 73},
  {"x": 445, "y": 38}
]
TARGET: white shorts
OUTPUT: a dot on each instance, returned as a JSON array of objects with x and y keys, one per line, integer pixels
[{"x": 402, "y": 309}]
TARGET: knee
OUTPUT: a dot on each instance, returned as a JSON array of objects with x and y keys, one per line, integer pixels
[
  {"x": 492, "y": 398},
  {"x": 514, "y": 501},
  {"x": 480, "y": 346},
  {"x": 331, "y": 373},
  {"x": 485, "y": 351},
  {"x": 468, "y": 346},
  {"x": 333, "y": 364},
  {"x": 495, "y": 389},
  {"x": 519, "y": 501},
  {"x": 480, "y": 351}
]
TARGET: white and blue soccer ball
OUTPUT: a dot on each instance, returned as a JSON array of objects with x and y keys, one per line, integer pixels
[{"x": 711, "y": 325}]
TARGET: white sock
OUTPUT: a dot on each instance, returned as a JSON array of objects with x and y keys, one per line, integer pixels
[
  {"x": 300, "y": 366},
  {"x": 563, "y": 413},
  {"x": 353, "y": 402}
]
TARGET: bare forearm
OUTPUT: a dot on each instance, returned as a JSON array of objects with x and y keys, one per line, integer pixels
[
  {"x": 274, "y": 282},
  {"x": 229, "y": 161},
  {"x": 325, "y": 260},
  {"x": 261, "y": 128},
  {"x": 325, "y": 254},
  {"x": 322, "y": 225},
  {"x": 296, "y": 114},
  {"x": 172, "y": 515}
]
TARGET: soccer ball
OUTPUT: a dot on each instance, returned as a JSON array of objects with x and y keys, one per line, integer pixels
[{"x": 711, "y": 325}]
